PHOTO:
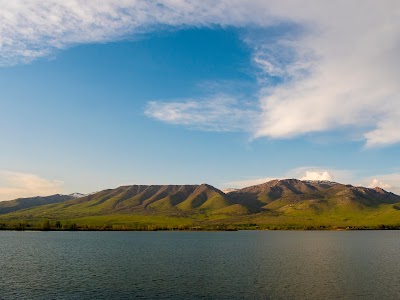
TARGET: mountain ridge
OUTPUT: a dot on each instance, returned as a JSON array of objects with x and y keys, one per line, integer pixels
[{"x": 276, "y": 201}]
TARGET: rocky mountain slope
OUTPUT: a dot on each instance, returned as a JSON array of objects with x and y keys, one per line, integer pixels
[{"x": 277, "y": 194}]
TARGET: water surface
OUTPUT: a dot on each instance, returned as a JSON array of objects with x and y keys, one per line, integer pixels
[{"x": 200, "y": 265}]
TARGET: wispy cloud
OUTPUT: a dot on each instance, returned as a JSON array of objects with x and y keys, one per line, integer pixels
[
  {"x": 216, "y": 114},
  {"x": 16, "y": 184},
  {"x": 32, "y": 29},
  {"x": 333, "y": 74}
]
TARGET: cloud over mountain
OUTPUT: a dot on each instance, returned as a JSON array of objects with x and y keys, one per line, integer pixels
[{"x": 314, "y": 175}]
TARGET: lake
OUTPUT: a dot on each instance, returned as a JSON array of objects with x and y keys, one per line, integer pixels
[{"x": 200, "y": 265}]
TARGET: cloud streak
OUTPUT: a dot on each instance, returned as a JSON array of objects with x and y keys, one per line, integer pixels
[
  {"x": 216, "y": 114},
  {"x": 339, "y": 70},
  {"x": 32, "y": 29},
  {"x": 16, "y": 185}
]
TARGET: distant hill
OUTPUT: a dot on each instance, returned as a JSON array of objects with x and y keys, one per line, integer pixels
[
  {"x": 288, "y": 203},
  {"x": 23, "y": 203}
]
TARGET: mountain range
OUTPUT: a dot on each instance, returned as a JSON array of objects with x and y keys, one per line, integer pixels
[{"x": 288, "y": 203}]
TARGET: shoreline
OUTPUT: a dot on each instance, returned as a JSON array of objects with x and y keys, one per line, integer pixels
[{"x": 393, "y": 228}]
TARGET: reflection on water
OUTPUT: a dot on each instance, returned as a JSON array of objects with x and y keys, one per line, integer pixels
[{"x": 200, "y": 265}]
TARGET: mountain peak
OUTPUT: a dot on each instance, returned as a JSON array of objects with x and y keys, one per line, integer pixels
[{"x": 380, "y": 190}]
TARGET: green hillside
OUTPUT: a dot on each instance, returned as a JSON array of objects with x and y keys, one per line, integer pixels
[{"x": 278, "y": 204}]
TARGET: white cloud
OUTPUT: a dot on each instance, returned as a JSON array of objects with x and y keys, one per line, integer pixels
[
  {"x": 376, "y": 183},
  {"x": 321, "y": 173},
  {"x": 216, "y": 114},
  {"x": 387, "y": 131},
  {"x": 339, "y": 70},
  {"x": 313, "y": 175},
  {"x": 16, "y": 185},
  {"x": 351, "y": 81}
]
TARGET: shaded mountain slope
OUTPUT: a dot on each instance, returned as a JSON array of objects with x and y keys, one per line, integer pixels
[{"x": 139, "y": 199}]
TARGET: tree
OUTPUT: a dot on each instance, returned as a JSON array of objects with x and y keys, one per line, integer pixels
[
  {"x": 58, "y": 224},
  {"x": 46, "y": 225}
]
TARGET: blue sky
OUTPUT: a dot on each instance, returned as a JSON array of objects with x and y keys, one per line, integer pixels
[{"x": 178, "y": 92}]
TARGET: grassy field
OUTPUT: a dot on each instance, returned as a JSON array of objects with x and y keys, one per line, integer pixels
[{"x": 382, "y": 217}]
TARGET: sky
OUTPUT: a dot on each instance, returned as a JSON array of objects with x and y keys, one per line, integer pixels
[{"x": 95, "y": 95}]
